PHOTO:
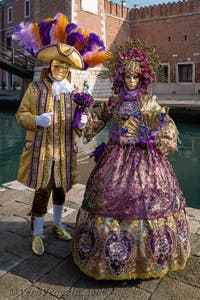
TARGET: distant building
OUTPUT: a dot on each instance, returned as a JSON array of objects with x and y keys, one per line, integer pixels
[{"x": 172, "y": 28}]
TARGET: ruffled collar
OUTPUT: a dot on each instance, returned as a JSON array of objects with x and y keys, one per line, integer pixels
[
  {"x": 60, "y": 86},
  {"x": 130, "y": 95}
]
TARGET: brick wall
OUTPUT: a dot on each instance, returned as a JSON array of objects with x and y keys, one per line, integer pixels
[
  {"x": 17, "y": 16},
  {"x": 165, "y": 10},
  {"x": 117, "y": 23},
  {"x": 49, "y": 8},
  {"x": 173, "y": 29},
  {"x": 89, "y": 20}
]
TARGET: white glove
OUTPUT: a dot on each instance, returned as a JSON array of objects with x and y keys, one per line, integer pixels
[
  {"x": 83, "y": 121},
  {"x": 44, "y": 120}
]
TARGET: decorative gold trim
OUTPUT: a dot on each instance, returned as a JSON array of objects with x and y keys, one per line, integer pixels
[{"x": 134, "y": 275}]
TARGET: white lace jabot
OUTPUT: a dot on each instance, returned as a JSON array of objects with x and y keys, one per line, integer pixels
[{"x": 61, "y": 86}]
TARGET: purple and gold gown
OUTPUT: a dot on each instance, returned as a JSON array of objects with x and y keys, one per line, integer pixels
[{"x": 132, "y": 222}]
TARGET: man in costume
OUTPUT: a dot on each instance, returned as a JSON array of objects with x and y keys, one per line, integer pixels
[{"x": 48, "y": 163}]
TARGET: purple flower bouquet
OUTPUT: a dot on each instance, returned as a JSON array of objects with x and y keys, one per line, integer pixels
[{"x": 83, "y": 101}]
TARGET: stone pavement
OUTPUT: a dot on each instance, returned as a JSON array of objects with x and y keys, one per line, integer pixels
[{"x": 53, "y": 275}]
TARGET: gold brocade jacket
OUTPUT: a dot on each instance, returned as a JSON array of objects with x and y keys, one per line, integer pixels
[
  {"x": 45, "y": 146},
  {"x": 165, "y": 138}
]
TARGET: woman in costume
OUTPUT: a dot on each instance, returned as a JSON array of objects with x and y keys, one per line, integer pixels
[{"x": 132, "y": 222}]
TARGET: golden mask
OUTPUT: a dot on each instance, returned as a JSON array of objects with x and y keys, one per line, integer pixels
[
  {"x": 131, "y": 80},
  {"x": 59, "y": 70}
]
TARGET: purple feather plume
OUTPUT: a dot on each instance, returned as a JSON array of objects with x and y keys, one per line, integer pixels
[
  {"x": 24, "y": 36},
  {"x": 44, "y": 30},
  {"x": 75, "y": 37},
  {"x": 71, "y": 27}
]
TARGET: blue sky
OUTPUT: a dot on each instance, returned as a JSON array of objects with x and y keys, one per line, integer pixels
[
  {"x": 130, "y": 3},
  {"x": 141, "y": 3}
]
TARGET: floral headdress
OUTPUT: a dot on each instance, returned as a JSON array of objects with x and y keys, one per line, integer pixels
[
  {"x": 35, "y": 36},
  {"x": 132, "y": 54}
]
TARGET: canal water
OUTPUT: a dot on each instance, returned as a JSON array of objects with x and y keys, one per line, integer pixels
[{"x": 186, "y": 162}]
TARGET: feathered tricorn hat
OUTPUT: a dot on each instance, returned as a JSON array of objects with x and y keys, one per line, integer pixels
[
  {"x": 62, "y": 53},
  {"x": 36, "y": 37}
]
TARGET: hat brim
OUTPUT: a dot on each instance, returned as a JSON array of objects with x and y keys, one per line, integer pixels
[{"x": 61, "y": 52}]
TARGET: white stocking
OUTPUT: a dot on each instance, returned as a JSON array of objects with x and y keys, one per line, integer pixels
[
  {"x": 57, "y": 214},
  {"x": 38, "y": 224}
]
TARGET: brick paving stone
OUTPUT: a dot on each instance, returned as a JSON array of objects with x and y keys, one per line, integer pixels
[
  {"x": 72, "y": 204},
  {"x": 24, "y": 212},
  {"x": 76, "y": 193},
  {"x": 128, "y": 293},
  {"x": 89, "y": 288},
  {"x": 170, "y": 289},
  {"x": 23, "y": 248},
  {"x": 65, "y": 212},
  {"x": 84, "y": 173},
  {"x": 48, "y": 219},
  {"x": 193, "y": 213},
  {"x": 12, "y": 208},
  {"x": 8, "y": 261},
  {"x": 70, "y": 220},
  {"x": 16, "y": 244},
  {"x": 148, "y": 285},
  {"x": 16, "y": 185},
  {"x": 191, "y": 273},
  {"x": 31, "y": 293},
  {"x": 193, "y": 226},
  {"x": 86, "y": 293},
  {"x": 78, "y": 188},
  {"x": 22, "y": 228},
  {"x": 12, "y": 285},
  {"x": 75, "y": 199},
  {"x": 7, "y": 196},
  {"x": 36, "y": 266},
  {"x": 195, "y": 244},
  {"x": 24, "y": 197},
  {"x": 59, "y": 279},
  {"x": 14, "y": 223},
  {"x": 60, "y": 249}
]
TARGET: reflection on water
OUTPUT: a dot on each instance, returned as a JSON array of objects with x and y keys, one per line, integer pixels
[
  {"x": 186, "y": 161},
  {"x": 11, "y": 143}
]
